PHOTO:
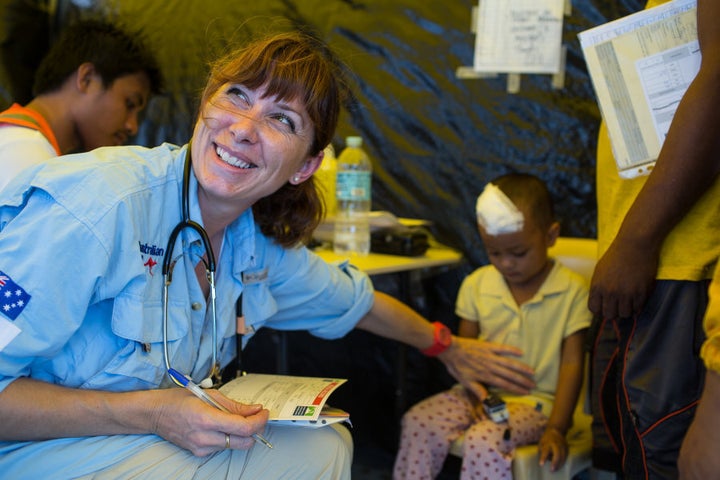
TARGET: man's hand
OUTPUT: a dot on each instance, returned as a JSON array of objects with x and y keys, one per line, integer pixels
[
  {"x": 622, "y": 281},
  {"x": 476, "y": 362}
]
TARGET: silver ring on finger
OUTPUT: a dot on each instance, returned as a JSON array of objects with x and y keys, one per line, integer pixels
[{"x": 227, "y": 440}]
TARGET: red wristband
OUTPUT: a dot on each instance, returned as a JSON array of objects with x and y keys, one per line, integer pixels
[{"x": 442, "y": 338}]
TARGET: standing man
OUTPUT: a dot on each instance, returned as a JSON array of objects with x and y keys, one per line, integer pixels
[
  {"x": 658, "y": 241},
  {"x": 89, "y": 90}
]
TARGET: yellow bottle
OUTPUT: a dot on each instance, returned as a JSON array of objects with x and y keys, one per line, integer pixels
[{"x": 326, "y": 176}]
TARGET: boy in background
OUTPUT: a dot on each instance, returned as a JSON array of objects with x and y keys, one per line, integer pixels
[
  {"x": 89, "y": 90},
  {"x": 524, "y": 299}
]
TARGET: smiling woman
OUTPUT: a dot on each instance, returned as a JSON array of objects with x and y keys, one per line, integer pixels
[{"x": 265, "y": 117}]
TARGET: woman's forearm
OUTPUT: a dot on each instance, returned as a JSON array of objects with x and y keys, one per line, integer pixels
[{"x": 35, "y": 410}]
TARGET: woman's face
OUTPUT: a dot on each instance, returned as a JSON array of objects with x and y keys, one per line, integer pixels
[{"x": 246, "y": 146}]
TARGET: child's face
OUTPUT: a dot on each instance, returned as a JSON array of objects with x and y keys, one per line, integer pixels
[{"x": 520, "y": 257}]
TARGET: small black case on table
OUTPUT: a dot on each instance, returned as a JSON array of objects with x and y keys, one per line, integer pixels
[{"x": 400, "y": 240}]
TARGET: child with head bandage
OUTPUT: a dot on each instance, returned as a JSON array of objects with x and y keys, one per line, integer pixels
[{"x": 523, "y": 298}]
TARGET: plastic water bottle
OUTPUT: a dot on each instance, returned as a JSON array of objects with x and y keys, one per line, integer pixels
[
  {"x": 353, "y": 191},
  {"x": 326, "y": 177}
]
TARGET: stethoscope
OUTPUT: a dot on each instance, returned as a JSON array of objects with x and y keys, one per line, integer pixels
[{"x": 169, "y": 265}]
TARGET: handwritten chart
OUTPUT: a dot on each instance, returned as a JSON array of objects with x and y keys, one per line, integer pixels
[{"x": 519, "y": 36}]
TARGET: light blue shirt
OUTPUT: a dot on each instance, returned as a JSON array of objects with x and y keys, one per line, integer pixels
[{"x": 85, "y": 244}]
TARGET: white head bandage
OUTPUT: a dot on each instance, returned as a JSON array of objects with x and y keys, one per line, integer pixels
[{"x": 496, "y": 213}]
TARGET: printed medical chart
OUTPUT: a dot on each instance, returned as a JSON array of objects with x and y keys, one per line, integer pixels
[
  {"x": 641, "y": 65},
  {"x": 519, "y": 36},
  {"x": 291, "y": 400}
]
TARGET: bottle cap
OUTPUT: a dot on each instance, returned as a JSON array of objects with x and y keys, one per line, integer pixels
[{"x": 353, "y": 142}]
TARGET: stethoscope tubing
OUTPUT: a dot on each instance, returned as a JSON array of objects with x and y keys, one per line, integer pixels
[{"x": 169, "y": 262}]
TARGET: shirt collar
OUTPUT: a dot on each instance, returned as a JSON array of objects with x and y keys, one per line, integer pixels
[{"x": 553, "y": 284}]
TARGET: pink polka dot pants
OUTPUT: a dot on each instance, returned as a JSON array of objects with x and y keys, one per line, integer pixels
[{"x": 430, "y": 427}]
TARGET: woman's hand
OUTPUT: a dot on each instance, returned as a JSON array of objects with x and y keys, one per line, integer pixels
[
  {"x": 476, "y": 362},
  {"x": 469, "y": 360},
  {"x": 192, "y": 424},
  {"x": 553, "y": 446}
]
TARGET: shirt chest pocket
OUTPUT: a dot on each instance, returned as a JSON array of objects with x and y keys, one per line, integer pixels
[
  {"x": 139, "y": 361},
  {"x": 142, "y": 322}
]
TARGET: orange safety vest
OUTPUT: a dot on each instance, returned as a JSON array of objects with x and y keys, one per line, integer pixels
[{"x": 24, "y": 117}]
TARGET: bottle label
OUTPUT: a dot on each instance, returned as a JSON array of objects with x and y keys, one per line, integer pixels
[{"x": 353, "y": 185}]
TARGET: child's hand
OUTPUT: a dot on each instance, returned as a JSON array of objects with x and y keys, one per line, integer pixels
[
  {"x": 553, "y": 446},
  {"x": 478, "y": 410},
  {"x": 479, "y": 413}
]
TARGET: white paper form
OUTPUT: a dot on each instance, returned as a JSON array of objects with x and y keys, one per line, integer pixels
[
  {"x": 292, "y": 399},
  {"x": 641, "y": 65},
  {"x": 665, "y": 77},
  {"x": 518, "y": 36}
]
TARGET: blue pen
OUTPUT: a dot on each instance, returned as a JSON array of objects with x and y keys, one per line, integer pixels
[{"x": 200, "y": 393}]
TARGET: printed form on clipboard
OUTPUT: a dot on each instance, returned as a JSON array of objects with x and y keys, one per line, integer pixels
[
  {"x": 640, "y": 66},
  {"x": 292, "y": 400}
]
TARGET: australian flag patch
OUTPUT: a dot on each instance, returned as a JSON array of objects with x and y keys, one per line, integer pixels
[{"x": 13, "y": 299}]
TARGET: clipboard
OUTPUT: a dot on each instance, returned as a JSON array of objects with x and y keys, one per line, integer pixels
[{"x": 640, "y": 67}]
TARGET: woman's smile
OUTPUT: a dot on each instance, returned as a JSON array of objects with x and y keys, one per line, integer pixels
[{"x": 230, "y": 159}]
